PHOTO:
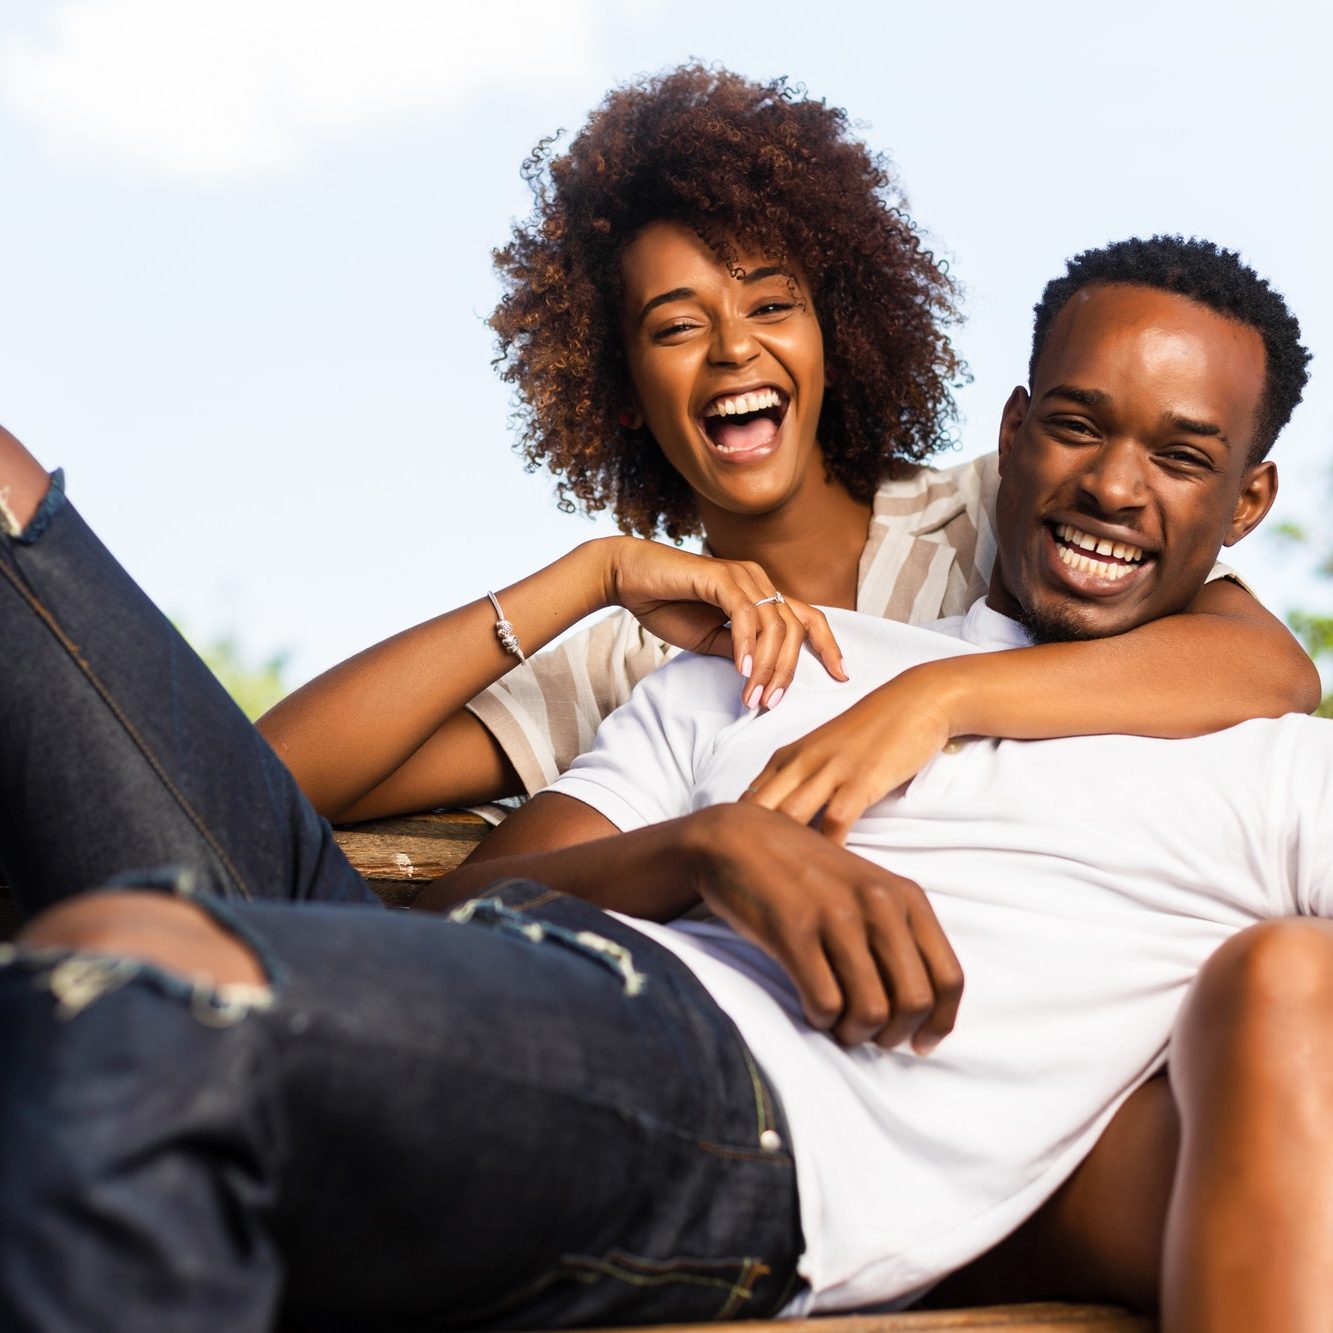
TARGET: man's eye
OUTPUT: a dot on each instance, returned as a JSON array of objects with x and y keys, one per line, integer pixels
[
  {"x": 1187, "y": 458},
  {"x": 1072, "y": 426}
]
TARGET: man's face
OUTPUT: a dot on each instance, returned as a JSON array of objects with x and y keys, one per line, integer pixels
[{"x": 1126, "y": 468}]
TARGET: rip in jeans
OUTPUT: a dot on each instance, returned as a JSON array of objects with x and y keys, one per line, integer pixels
[
  {"x": 78, "y": 978},
  {"x": 609, "y": 953}
]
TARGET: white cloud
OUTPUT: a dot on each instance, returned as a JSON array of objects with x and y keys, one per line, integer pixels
[{"x": 220, "y": 91}]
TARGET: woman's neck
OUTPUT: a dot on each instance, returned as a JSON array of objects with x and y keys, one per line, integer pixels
[{"x": 810, "y": 547}]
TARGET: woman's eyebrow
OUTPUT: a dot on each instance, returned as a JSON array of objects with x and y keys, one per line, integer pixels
[
  {"x": 747, "y": 276},
  {"x": 759, "y": 274},
  {"x": 675, "y": 294}
]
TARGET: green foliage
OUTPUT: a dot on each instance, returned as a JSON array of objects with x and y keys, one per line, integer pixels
[
  {"x": 255, "y": 686},
  {"x": 1313, "y": 628}
]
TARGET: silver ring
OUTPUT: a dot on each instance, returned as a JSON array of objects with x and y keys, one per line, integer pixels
[{"x": 777, "y": 597}]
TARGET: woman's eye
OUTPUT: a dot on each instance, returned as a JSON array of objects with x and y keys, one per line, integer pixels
[
  {"x": 672, "y": 330},
  {"x": 775, "y": 307}
]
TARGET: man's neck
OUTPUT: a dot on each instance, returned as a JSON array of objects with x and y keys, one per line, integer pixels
[{"x": 811, "y": 549}]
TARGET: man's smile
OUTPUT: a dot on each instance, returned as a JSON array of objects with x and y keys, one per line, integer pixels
[
  {"x": 1093, "y": 564},
  {"x": 1100, "y": 556}
]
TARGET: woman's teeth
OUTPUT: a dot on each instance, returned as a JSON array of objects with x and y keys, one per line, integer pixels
[
  {"x": 743, "y": 402},
  {"x": 1118, "y": 559}
]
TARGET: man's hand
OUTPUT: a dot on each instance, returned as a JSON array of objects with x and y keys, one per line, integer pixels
[
  {"x": 862, "y": 945},
  {"x": 862, "y": 755},
  {"x": 710, "y": 605}
]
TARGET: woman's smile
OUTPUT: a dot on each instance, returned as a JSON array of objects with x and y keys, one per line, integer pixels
[{"x": 744, "y": 426}]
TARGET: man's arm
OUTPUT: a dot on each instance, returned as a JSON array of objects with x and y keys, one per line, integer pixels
[{"x": 861, "y": 945}]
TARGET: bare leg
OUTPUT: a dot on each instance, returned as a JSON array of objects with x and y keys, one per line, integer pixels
[
  {"x": 23, "y": 482},
  {"x": 173, "y": 933},
  {"x": 1099, "y": 1237},
  {"x": 1252, "y": 1071}
]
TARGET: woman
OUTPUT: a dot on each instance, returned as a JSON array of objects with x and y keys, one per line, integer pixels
[{"x": 719, "y": 320}]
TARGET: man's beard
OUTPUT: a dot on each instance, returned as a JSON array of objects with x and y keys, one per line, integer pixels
[{"x": 1058, "y": 624}]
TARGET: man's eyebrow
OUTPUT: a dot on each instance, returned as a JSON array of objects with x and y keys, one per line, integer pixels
[
  {"x": 1071, "y": 392},
  {"x": 1171, "y": 421}
]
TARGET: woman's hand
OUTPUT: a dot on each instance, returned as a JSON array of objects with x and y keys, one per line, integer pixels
[
  {"x": 862, "y": 755},
  {"x": 862, "y": 945},
  {"x": 723, "y": 607}
]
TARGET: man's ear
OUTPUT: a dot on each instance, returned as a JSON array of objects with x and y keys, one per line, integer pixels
[
  {"x": 1014, "y": 414},
  {"x": 1257, "y": 494}
]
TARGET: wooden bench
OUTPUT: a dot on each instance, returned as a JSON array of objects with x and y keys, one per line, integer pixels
[{"x": 398, "y": 856}]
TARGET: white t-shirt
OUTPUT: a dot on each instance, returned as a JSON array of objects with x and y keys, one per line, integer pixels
[{"x": 1082, "y": 883}]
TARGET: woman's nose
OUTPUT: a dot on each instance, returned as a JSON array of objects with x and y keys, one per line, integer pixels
[{"x": 732, "y": 344}]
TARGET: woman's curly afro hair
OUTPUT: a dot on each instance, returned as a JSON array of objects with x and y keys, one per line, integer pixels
[{"x": 747, "y": 165}]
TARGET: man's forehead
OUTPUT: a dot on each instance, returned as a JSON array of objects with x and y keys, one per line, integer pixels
[{"x": 1168, "y": 352}]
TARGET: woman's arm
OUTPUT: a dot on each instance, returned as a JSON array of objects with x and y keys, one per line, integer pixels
[
  {"x": 385, "y": 731},
  {"x": 1224, "y": 661}
]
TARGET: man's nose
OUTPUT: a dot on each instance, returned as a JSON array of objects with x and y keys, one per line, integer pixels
[
  {"x": 1114, "y": 478},
  {"x": 733, "y": 342}
]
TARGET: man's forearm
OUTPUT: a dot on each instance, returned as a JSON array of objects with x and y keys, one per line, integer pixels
[{"x": 650, "y": 873}]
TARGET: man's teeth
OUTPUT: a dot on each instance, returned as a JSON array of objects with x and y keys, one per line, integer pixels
[
  {"x": 743, "y": 402},
  {"x": 1101, "y": 545},
  {"x": 1071, "y": 537}
]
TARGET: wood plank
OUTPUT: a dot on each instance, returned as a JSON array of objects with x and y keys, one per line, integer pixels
[
  {"x": 1033, "y": 1318},
  {"x": 399, "y": 856},
  {"x": 396, "y": 856}
]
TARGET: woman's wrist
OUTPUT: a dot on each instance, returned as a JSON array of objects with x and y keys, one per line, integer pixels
[{"x": 950, "y": 691}]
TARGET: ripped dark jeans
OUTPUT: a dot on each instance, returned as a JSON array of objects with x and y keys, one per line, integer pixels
[{"x": 528, "y": 1115}]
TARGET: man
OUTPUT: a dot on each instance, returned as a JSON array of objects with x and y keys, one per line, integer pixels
[{"x": 598, "y": 1104}]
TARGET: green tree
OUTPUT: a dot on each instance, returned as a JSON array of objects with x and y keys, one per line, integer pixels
[
  {"x": 256, "y": 686},
  {"x": 1313, "y": 628}
]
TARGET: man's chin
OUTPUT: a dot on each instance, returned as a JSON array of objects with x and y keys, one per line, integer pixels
[{"x": 1067, "y": 621}]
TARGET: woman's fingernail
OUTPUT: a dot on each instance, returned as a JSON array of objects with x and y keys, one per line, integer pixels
[
  {"x": 776, "y": 697},
  {"x": 747, "y": 665},
  {"x": 842, "y": 666},
  {"x": 753, "y": 700}
]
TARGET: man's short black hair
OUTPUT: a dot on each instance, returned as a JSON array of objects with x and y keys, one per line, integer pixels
[{"x": 1206, "y": 273}]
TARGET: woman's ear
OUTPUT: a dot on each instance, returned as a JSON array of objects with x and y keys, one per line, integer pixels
[{"x": 1257, "y": 493}]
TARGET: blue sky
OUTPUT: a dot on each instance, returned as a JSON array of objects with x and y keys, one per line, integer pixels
[{"x": 245, "y": 249}]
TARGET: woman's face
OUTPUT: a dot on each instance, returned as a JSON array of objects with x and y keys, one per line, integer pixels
[{"x": 728, "y": 372}]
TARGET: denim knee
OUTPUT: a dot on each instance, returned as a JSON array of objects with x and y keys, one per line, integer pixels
[{"x": 50, "y": 504}]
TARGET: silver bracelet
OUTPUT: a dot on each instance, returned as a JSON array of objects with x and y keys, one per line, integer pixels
[{"x": 504, "y": 631}]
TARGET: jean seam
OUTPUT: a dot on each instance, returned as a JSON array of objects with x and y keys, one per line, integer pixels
[
  {"x": 85, "y": 668},
  {"x": 617, "y": 1266}
]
